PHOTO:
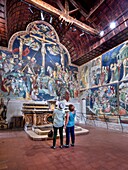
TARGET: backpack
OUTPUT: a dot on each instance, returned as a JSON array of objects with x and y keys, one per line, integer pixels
[{"x": 50, "y": 134}]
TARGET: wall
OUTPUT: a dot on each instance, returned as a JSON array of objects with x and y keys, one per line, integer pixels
[
  {"x": 104, "y": 84},
  {"x": 36, "y": 67}
]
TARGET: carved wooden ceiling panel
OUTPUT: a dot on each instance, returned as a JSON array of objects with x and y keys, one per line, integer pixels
[{"x": 77, "y": 22}]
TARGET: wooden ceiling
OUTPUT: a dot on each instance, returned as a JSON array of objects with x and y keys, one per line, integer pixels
[{"x": 77, "y": 22}]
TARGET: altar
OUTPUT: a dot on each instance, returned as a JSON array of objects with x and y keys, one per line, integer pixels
[{"x": 36, "y": 114}]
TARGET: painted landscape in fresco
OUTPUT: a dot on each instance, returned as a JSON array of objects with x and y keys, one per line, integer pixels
[{"x": 39, "y": 66}]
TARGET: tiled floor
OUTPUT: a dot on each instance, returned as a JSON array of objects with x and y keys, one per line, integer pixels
[{"x": 101, "y": 149}]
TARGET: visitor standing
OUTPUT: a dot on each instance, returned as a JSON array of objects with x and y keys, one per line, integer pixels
[
  {"x": 69, "y": 125},
  {"x": 58, "y": 123}
]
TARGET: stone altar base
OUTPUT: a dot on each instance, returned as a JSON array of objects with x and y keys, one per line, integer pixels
[
  {"x": 41, "y": 132},
  {"x": 4, "y": 125}
]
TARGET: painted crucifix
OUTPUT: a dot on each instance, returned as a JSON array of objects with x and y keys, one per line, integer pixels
[{"x": 43, "y": 41}]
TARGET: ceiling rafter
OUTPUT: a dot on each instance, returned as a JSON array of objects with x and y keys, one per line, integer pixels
[
  {"x": 81, "y": 10},
  {"x": 49, "y": 8},
  {"x": 63, "y": 9},
  {"x": 70, "y": 12},
  {"x": 66, "y": 7},
  {"x": 60, "y": 5},
  {"x": 95, "y": 8}
]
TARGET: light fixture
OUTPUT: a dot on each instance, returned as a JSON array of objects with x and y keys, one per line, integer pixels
[
  {"x": 42, "y": 16},
  {"x": 30, "y": 9},
  {"x": 50, "y": 19},
  {"x": 82, "y": 33},
  {"x": 101, "y": 33},
  {"x": 74, "y": 29},
  {"x": 112, "y": 25}
]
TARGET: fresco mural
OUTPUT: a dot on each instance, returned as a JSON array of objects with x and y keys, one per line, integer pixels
[
  {"x": 123, "y": 57},
  {"x": 95, "y": 72},
  {"x": 108, "y": 83},
  {"x": 123, "y": 98},
  {"x": 6, "y": 65},
  {"x": 84, "y": 76},
  {"x": 103, "y": 100},
  {"x": 111, "y": 67},
  {"x": 39, "y": 67},
  {"x": 114, "y": 64}
]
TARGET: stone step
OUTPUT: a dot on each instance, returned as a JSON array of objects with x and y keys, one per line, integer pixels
[{"x": 40, "y": 135}]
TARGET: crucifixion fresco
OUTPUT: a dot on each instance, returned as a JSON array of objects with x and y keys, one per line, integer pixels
[{"x": 38, "y": 67}]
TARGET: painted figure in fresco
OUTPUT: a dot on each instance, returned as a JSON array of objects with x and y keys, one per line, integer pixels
[
  {"x": 97, "y": 81},
  {"x": 7, "y": 85},
  {"x": 114, "y": 72},
  {"x": 34, "y": 95},
  {"x": 102, "y": 76},
  {"x": 43, "y": 42},
  {"x": 93, "y": 81},
  {"x": 50, "y": 71},
  {"x": 71, "y": 89},
  {"x": 51, "y": 87},
  {"x": 83, "y": 79},
  {"x": 91, "y": 101},
  {"x": 125, "y": 63},
  {"x": 42, "y": 72}
]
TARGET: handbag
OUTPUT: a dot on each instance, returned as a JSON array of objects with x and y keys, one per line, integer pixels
[{"x": 50, "y": 134}]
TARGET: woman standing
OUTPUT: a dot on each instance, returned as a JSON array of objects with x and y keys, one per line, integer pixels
[{"x": 69, "y": 123}]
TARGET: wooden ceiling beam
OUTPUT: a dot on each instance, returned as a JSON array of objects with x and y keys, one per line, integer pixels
[
  {"x": 94, "y": 9},
  {"x": 60, "y": 5},
  {"x": 66, "y": 7},
  {"x": 49, "y": 8},
  {"x": 81, "y": 10},
  {"x": 70, "y": 12}
]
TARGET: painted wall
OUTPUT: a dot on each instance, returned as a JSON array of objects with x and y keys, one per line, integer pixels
[
  {"x": 36, "y": 66},
  {"x": 104, "y": 84}
]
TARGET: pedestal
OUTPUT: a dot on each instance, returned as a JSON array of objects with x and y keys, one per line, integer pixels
[{"x": 3, "y": 123}]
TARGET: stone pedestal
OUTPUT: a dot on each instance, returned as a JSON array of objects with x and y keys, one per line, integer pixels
[
  {"x": 17, "y": 122},
  {"x": 36, "y": 114},
  {"x": 3, "y": 123}
]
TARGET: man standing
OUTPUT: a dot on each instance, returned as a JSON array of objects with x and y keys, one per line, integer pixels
[{"x": 58, "y": 123}]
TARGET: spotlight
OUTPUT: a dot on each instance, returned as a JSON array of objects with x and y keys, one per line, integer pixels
[
  {"x": 101, "y": 33},
  {"x": 42, "y": 16},
  {"x": 74, "y": 29},
  {"x": 81, "y": 34},
  {"x": 112, "y": 25},
  {"x": 30, "y": 9},
  {"x": 50, "y": 19}
]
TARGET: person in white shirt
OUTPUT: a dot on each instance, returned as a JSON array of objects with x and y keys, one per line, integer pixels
[{"x": 58, "y": 123}]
